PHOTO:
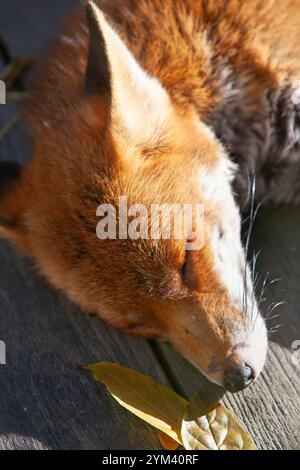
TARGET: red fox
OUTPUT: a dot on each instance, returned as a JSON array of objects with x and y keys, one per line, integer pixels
[{"x": 164, "y": 102}]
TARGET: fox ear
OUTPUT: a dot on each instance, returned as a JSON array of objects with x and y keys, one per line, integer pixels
[
  {"x": 98, "y": 76},
  {"x": 133, "y": 99},
  {"x": 11, "y": 204}
]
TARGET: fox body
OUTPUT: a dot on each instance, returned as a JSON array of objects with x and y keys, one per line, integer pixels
[{"x": 174, "y": 101}]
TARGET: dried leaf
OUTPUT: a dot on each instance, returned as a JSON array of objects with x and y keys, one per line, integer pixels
[
  {"x": 167, "y": 442},
  {"x": 215, "y": 429},
  {"x": 193, "y": 424},
  {"x": 154, "y": 403}
]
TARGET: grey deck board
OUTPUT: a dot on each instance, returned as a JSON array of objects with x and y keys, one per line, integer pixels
[{"x": 45, "y": 401}]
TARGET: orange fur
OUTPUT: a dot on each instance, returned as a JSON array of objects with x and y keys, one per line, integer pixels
[{"x": 83, "y": 157}]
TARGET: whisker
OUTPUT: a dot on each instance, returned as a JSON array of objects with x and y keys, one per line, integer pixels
[
  {"x": 252, "y": 195},
  {"x": 278, "y": 304},
  {"x": 274, "y": 330},
  {"x": 275, "y": 280},
  {"x": 272, "y": 317},
  {"x": 263, "y": 288},
  {"x": 255, "y": 278}
]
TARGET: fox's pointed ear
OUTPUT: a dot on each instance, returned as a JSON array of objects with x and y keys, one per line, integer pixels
[
  {"x": 98, "y": 76},
  {"x": 134, "y": 100},
  {"x": 12, "y": 204},
  {"x": 96, "y": 111}
]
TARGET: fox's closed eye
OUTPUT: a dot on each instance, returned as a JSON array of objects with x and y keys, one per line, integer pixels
[
  {"x": 190, "y": 272},
  {"x": 184, "y": 268}
]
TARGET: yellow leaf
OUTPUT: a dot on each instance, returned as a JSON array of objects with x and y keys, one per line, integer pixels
[
  {"x": 154, "y": 403},
  {"x": 215, "y": 429},
  {"x": 167, "y": 442}
]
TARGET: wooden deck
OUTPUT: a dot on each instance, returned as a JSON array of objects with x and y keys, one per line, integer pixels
[{"x": 45, "y": 401}]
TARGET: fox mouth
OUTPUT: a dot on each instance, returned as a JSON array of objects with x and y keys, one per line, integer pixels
[
  {"x": 235, "y": 378},
  {"x": 241, "y": 367}
]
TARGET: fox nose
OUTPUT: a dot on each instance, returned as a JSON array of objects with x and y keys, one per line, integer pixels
[{"x": 238, "y": 377}]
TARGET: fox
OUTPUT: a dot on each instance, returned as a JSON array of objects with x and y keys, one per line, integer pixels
[{"x": 164, "y": 102}]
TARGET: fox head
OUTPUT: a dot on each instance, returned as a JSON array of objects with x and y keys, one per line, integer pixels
[{"x": 124, "y": 136}]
